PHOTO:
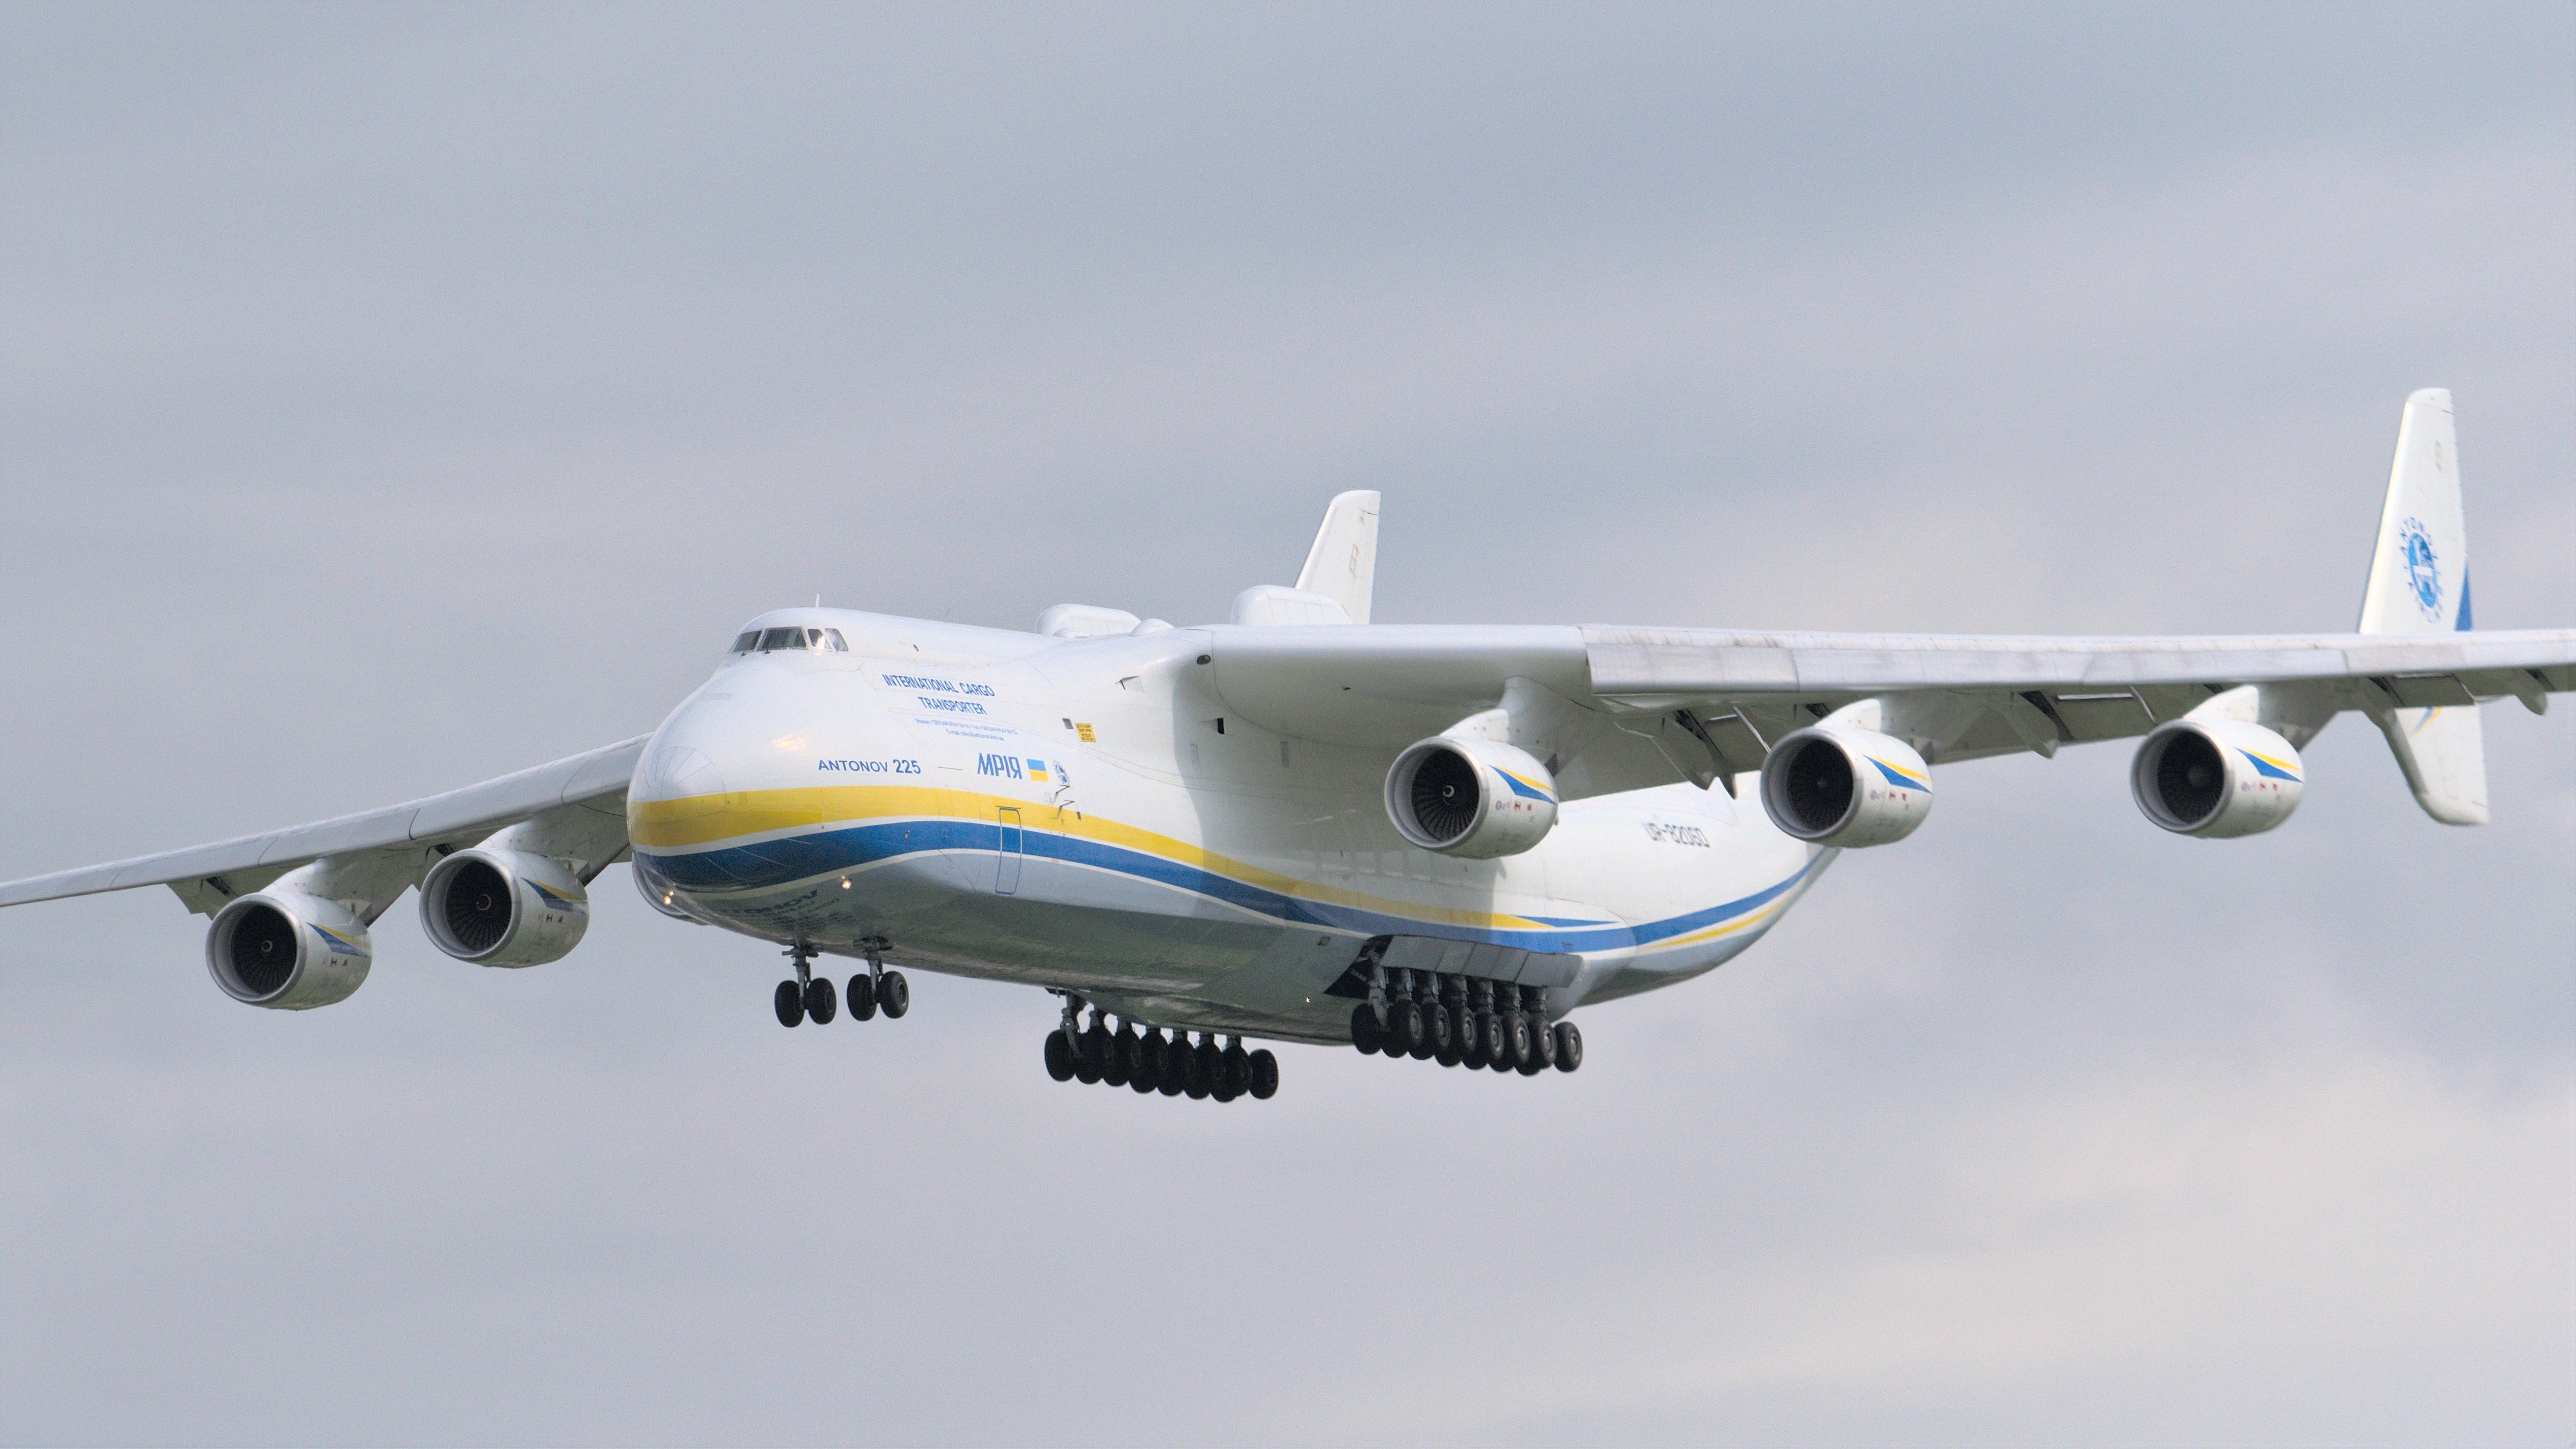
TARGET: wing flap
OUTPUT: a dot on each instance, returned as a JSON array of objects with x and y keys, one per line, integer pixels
[{"x": 1649, "y": 667}]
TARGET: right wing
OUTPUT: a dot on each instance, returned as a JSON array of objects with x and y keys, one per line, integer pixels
[{"x": 580, "y": 799}]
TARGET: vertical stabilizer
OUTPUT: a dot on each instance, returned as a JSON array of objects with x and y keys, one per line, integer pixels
[
  {"x": 1343, "y": 563},
  {"x": 2419, "y": 584}
]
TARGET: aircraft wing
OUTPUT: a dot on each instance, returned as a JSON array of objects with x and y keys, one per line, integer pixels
[
  {"x": 584, "y": 794},
  {"x": 1706, "y": 703}
]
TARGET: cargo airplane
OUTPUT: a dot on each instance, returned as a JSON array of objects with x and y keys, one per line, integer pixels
[{"x": 1426, "y": 842}]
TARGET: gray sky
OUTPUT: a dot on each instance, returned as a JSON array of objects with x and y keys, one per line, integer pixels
[{"x": 398, "y": 397}]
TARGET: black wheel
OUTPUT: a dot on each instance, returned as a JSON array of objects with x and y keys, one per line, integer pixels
[
  {"x": 1569, "y": 1046},
  {"x": 1435, "y": 1032},
  {"x": 1367, "y": 1028},
  {"x": 1059, "y": 1057},
  {"x": 1404, "y": 1030},
  {"x": 1489, "y": 1040},
  {"x": 821, "y": 1002},
  {"x": 791, "y": 1004},
  {"x": 1265, "y": 1075},
  {"x": 1176, "y": 1066},
  {"x": 1542, "y": 1041},
  {"x": 894, "y": 995},
  {"x": 1202, "y": 1070},
  {"x": 1236, "y": 1077},
  {"x": 1149, "y": 1062},
  {"x": 1463, "y": 1045},
  {"x": 861, "y": 998},
  {"x": 1121, "y": 1064},
  {"x": 1513, "y": 1044},
  {"x": 1094, "y": 1045}
]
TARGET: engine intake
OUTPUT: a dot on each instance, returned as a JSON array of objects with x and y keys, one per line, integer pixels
[
  {"x": 2216, "y": 778},
  {"x": 503, "y": 907},
  {"x": 1468, "y": 797},
  {"x": 1848, "y": 787},
  {"x": 288, "y": 951}
]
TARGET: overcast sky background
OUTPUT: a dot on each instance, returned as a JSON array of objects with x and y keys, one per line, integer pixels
[{"x": 392, "y": 398}]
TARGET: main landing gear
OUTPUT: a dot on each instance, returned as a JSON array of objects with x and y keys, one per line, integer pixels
[
  {"x": 1148, "y": 1062},
  {"x": 1462, "y": 1021},
  {"x": 811, "y": 997}
]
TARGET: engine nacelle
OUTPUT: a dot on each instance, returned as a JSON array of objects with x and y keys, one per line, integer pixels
[
  {"x": 503, "y": 907},
  {"x": 1849, "y": 787},
  {"x": 288, "y": 950},
  {"x": 1470, "y": 797},
  {"x": 2216, "y": 778}
]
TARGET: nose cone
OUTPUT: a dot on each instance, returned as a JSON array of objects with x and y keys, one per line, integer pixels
[
  {"x": 732, "y": 775},
  {"x": 682, "y": 782}
]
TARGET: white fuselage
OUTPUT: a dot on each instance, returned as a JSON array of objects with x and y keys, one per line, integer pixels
[{"x": 1085, "y": 814}]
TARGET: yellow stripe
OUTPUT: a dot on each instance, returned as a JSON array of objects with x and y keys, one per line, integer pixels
[
  {"x": 708, "y": 819},
  {"x": 1713, "y": 932}
]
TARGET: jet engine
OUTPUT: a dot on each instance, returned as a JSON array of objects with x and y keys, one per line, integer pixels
[
  {"x": 2215, "y": 778},
  {"x": 1470, "y": 797},
  {"x": 503, "y": 907},
  {"x": 287, "y": 950},
  {"x": 1840, "y": 786}
]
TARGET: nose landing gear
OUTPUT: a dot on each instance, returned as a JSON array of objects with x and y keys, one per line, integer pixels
[{"x": 811, "y": 997}]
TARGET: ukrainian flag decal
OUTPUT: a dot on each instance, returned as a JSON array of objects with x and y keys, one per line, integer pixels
[
  {"x": 1900, "y": 777},
  {"x": 2269, "y": 768},
  {"x": 1037, "y": 769}
]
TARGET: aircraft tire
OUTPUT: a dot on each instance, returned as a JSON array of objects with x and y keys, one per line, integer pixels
[
  {"x": 1513, "y": 1044},
  {"x": 1211, "y": 1060},
  {"x": 1149, "y": 1062},
  {"x": 1237, "y": 1077},
  {"x": 1059, "y": 1057},
  {"x": 1489, "y": 1039},
  {"x": 1265, "y": 1075},
  {"x": 791, "y": 1004},
  {"x": 1176, "y": 1067},
  {"x": 1366, "y": 1029},
  {"x": 1195, "y": 1073},
  {"x": 1404, "y": 1030},
  {"x": 1435, "y": 1032},
  {"x": 1569, "y": 1046},
  {"x": 821, "y": 1001},
  {"x": 1123, "y": 1049},
  {"x": 861, "y": 998},
  {"x": 894, "y": 995},
  {"x": 1542, "y": 1048}
]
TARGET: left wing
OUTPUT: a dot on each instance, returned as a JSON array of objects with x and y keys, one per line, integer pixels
[
  {"x": 578, "y": 803},
  {"x": 1621, "y": 707}
]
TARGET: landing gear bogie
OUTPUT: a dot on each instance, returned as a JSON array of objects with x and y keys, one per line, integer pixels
[
  {"x": 1151, "y": 1062},
  {"x": 809, "y": 997}
]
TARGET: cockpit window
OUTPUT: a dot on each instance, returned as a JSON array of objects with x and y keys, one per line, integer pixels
[{"x": 764, "y": 640}]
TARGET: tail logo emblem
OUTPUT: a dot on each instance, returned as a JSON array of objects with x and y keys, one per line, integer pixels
[{"x": 2423, "y": 571}]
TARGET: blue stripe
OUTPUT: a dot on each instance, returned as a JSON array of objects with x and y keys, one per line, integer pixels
[{"x": 804, "y": 857}]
